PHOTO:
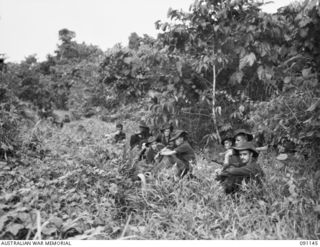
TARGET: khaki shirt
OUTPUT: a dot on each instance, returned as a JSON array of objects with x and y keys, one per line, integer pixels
[{"x": 251, "y": 170}]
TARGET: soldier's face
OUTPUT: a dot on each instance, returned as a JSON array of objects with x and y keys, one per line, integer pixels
[
  {"x": 154, "y": 145},
  {"x": 119, "y": 130},
  {"x": 166, "y": 132},
  {"x": 240, "y": 140},
  {"x": 227, "y": 144},
  {"x": 245, "y": 156},
  {"x": 178, "y": 141}
]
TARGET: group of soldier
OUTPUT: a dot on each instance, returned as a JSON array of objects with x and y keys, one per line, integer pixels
[
  {"x": 239, "y": 158},
  {"x": 169, "y": 144},
  {"x": 240, "y": 161}
]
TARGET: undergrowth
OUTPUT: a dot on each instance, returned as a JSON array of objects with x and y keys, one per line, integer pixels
[{"x": 75, "y": 184}]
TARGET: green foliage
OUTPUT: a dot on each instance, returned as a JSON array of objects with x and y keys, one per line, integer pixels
[
  {"x": 15, "y": 116},
  {"x": 76, "y": 193},
  {"x": 8, "y": 130},
  {"x": 79, "y": 185},
  {"x": 295, "y": 116},
  {"x": 259, "y": 57},
  {"x": 134, "y": 41},
  {"x": 68, "y": 80},
  {"x": 293, "y": 112},
  {"x": 231, "y": 35}
]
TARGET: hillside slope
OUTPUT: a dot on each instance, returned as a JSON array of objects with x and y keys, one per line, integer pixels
[{"x": 79, "y": 187}]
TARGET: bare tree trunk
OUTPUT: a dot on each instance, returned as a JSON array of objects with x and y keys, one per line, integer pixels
[{"x": 214, "y": 115}]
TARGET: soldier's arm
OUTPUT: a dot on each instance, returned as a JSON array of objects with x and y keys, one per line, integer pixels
[
  {"x": 160, "y": 146},
  {"x": 228, "y": 154},
  {"x": 158, "y": 157},
  {"x": 240, "y": 171},
  {"x": 149, "y": 156},
  {"x": 142, "y": 153},
  {"x": 227, "y": 166},
  {"x": 167, "y": 152},
  {"x": 217, "y": 162}
]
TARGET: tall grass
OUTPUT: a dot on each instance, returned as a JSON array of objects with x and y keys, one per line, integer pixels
[{"x": 96, "y": 198}]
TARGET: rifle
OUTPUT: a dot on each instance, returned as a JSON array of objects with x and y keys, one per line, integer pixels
[
  {"x": 161, "y": 146},
  {"x": 217, "y": 162},
  {"x": 143, "y": 151},
  {"x": 141, "y": 154}
]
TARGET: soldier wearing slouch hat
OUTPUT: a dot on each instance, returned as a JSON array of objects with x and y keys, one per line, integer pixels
[
  {"x": 182, "y": 155},
  {"x": 140, "y": 139},
  {"x": 232, "y": 176},
  {"x": 240, "y": 137}
]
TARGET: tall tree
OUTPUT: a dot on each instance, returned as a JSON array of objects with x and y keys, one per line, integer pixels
[{"x": 227, "y": 41}]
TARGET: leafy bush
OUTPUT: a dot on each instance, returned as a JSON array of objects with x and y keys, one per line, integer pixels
[
  {"x": 223, "y": 59},
  {"x": 77, "y": 193},
  {"x": 12, "y": 117}
]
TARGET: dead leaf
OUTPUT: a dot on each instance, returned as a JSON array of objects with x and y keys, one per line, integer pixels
[
  {"x": 14, "y": 228},
  {"x": 48, "y": 230},
  {"x": 287, "y": 79},
  {"x": 57, "y": 221},
  {"x": 282, "y": 156},
  {"x": 306, "y": 72},
  {"x": 249, "y": 59}
]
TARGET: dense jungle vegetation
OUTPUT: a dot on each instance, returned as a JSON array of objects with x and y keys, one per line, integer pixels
[{"x": 224, "y": 64}]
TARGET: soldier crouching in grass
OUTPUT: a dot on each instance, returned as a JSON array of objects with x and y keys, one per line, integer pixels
[
  {"x": 147, "y": 155},
  {"x": 231, "y": 176},
  {"x": 148, "y": 164},
  {"x": 240, "y": 137},
  {"x": 153, "y": 150},
  {"x": 165, "y": 136},
  {"x": 182, "y": 156},
  {"x": 140, "y": 139},
  {"x": 227, "y": 142},
  {"x": 150, "y": 157},
  {"x": 120, "y": 135}
]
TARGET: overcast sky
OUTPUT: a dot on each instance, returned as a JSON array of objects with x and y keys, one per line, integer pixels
[{"x": 31, "y": 26}]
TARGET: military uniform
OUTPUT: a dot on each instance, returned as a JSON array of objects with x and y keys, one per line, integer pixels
[
  {"x": 119, "y": 137},
  {"x": 166, "y": 140},
  {"x": 141, "y": 137},
  {"x": 231, "y": 177},
  {"x": 147, "y": 161},
  {"x": 184, "y": 155},
  {"x": 150, "y": 152},
  {"x": 234, "y": 159}
]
